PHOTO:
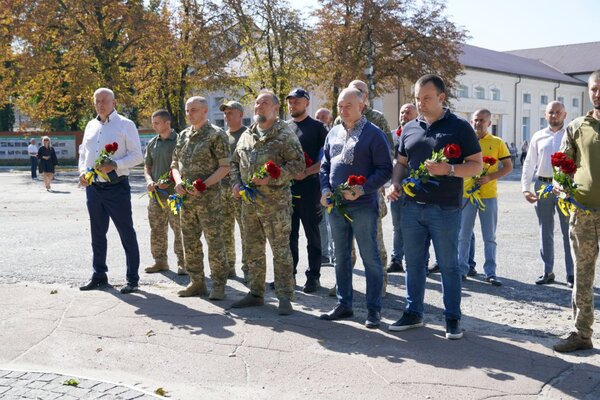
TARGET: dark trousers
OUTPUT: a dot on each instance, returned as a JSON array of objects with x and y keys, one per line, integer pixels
[
  {"x": 34, "y": 162},
  {"x": 106, "y": 202},
  {"x": 307, "y": 209}
]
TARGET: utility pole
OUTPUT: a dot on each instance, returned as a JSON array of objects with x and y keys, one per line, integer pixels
[{"x": 369, "y": 69}]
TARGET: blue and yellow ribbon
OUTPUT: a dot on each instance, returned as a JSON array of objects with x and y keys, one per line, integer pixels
[
  {"x": 474, "y": 195},
  {"x": 249, "y": 194},
  {"x": 175, "y": 203},
  {"x": 156, "y": 196},
  {"x": 544, "y": 191},
  {"x": 412, "y": 184},
  {"x": 93, "y": 174}
]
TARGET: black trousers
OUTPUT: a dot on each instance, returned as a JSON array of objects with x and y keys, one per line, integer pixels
[{"x": 306, "y": 209}]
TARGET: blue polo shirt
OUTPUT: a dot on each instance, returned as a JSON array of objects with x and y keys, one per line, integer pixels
[{"x": 419, "y": 140}]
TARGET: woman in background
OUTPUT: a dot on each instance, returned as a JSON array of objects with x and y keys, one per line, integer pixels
[{"x": 48, "y": 161}]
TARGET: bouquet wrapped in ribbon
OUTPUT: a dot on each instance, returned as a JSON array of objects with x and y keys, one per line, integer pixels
[
  {"x": 473, "y": 188},
  {"x": 420, "y": 176},
  {"x": 336, "y": 199},
  {"x": 564, "y": 170},
  {"x": 105, "y": 157},
  {"x": 175, "y": 201},
  {"x": 248, "y": 191},
  {"x": 162, "y": 183}
]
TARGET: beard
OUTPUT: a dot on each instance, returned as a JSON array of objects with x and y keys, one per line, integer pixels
[
  {"x": 297, "y": 114},
  {"x": 260, "y": 118},
  {"x": 596, "y": 106}
]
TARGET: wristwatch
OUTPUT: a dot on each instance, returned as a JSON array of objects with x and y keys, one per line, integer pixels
[{"x": 451, "y": 173}]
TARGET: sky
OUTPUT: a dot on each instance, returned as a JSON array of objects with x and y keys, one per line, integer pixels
[{"x": 521, "y": 24}]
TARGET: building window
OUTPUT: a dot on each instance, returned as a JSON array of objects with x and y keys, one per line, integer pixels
[
  {"x": 217, "y": 103},
  {"x": 462, "y": 91},
  {"x": 575, "y": 102},
  {"x": 220, "y": 123},
  {"x": 479, "y": 93},
  {"x": 526, "y": 98},
  {"x": 561, "y": 99},
  {"x": 495, "y": 94},
  {"x": 526, "y": 128},
  {"x": 246, "y": 121},
  {"x": 544, "y": 99},
  {"x": 543, "y": 123}
]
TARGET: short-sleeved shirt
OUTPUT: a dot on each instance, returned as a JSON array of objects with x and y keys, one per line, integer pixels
[
  {"x": 491, "y": 146},
  {"x": 233, "y": 138},
  {"x": 419, "y": 140},
  {"x": 312, "y": 134},
  {"x": 159, "y": 154}
]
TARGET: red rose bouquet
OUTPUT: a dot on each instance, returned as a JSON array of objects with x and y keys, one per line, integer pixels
[
  {"x": 249, "y": 191},
  {"x": 420, "y": 176},
  {"x": 176, "y": 201},
  {"x": 473, "y": 188},
  {"x": 105, "y": 157},
  {"x": 564, "y": 170},
  {"x": 336, "y": 199}
]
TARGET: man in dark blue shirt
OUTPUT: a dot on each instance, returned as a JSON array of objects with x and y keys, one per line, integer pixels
[
  {"x": 355, "y": 147},
  {"x": 434, "y": 210},
  {"x": 305, "y": 187}
]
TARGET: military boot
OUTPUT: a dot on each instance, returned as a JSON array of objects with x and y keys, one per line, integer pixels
[
  {"x": 285, "y": 307},
  {"x": 249, "y": 300},
  {"x": 194, "y": 289},
  {"x": 181, "y": 271},
  {"x": 572, "y": 343},
  {"x": 217, "y": 292},
  {"x": 157, "y": 267}
]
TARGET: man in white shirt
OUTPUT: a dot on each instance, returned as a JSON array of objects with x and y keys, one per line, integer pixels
[
  {"x": 538, "y": 163},
  {"x": 110, "y": 199},
  {"x": 32, "y": 150}
]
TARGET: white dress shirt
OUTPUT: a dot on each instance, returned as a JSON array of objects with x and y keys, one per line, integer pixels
[
  {"x": 32, "y": 150},
  {"x": 117, "y": 129},
  {"x": 538, "y": 162}
]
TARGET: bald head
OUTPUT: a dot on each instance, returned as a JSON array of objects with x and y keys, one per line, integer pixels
[
  {"x": 324, "y": 115},
  {"x": 196, "y": 111},
  {"x": 350, "y": 106},
  {"x": 408, "y": 112},
  {"x": 555, "y": 115},
  {"x": 361, "y": 87}
]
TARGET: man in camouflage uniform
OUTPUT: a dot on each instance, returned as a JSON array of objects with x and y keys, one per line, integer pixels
[
  {"x": 378, "y": 119},
  {"x": 269, "y": 216},
  {"x": 202, "y": 152},
  {"x": 157, "y": 161},
  {"x": 233, "y": 112},
  {"x": 581, "y": 143}
]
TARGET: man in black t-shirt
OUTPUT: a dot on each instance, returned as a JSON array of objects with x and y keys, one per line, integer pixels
[
  {"x": 434, "y": 210},
  {"x": 306, "y": 188}
]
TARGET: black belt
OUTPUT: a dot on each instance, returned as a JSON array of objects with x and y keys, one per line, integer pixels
[
  {"x": 543, "y": 179},
  {"x": 112, "y": 182}
]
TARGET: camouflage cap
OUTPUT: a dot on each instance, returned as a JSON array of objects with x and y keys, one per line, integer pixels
[{"x": 231, "y": 104}]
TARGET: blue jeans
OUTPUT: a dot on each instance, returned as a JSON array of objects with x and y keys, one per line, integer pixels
[
  {"x": 419, "y": 222},
  {"x": 112, "y": 202},
  {"x": 34, "y": 163},
  {"x": 545, "y": 210},
  {"x": 466, "y": 238},
  {"x": 364, "y": 228},
  {"x": 398, "y": 242},
  {"x": 325, "y": 231}
]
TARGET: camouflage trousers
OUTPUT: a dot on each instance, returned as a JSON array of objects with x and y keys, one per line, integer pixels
[
  {"x": 232, "y": 212},
  {"x": 380, "y": 245},
  {"x": 273, "y": 224},
  {"x": 160, "y": 219},
  {"x": 584, "y": 231},
  {"x": 202, "y": 215}
]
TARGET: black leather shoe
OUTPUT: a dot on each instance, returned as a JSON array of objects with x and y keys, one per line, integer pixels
[
  {"x": 94, "y": 284},
  {"x": 129, "y": 288},
  {"x": 338, "y": 312},
  {"x": 492, "y": 280},
  {"x": 395, "y": 266},
  {"x": 472, "y": 272},
  {"x": 435, "y": 269},
  {"x": 373, "y": 319},
  {"x": 311, "y": 285},
  {"x": 545, "y": 279}
]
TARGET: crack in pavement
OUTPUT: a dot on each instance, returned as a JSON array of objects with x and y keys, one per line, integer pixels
[{"x": 554, "y": 381}]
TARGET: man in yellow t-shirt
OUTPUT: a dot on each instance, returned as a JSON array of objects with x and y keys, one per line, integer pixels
[{"x": 487, "y": 203}]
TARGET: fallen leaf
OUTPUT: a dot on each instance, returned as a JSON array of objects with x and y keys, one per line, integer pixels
[
  {"x": 150, "y": 333},
  {"x": 321, "y": 342},
  {"x": 71, "y": 382},
  {"x": 53, "y": 291},
  {"x": 160, "y": 391},
  {"x": 99, "y": 349}
]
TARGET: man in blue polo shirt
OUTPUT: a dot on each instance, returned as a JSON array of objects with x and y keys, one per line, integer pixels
[{"x": 434, "y": 211}]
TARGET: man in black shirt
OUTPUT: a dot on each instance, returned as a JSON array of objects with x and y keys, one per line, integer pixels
[{"x": 306, "y": 188}]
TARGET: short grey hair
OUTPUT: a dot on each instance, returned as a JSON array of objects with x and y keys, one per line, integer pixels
[
  {"x": 105, "y": 90},
  {"x": 272, "y": 94},
  {"x": 352, "y": 91},
  {"x": 198, "y": 99}
]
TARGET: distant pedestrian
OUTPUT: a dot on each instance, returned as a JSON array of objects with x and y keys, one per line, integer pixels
[
  {"x": 581, "y": 143},
  {"x": 513, "y": 153},
  {"x": 524, "y": 149},
  {"x": 48, "y": 161},
  {"x": 32, "y": 150},
  {"x": 110, "y": 199},
  {"x": 324, "y": 115}
]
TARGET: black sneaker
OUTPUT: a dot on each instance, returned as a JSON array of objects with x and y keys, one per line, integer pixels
[
  {"x": 472, "y": 272},
  {"x": 129, "y": 288},
  {"x": 453, "y": 330},
  {"x": 311, "y": 285},
  {"x": 492, "y": 280},
  {"x": 373, "y": 319},
  {"x": 435, "y": 269},
  {"x": 408, "y": 321},
  {"x": 395, "y": 266},
  {"x": 545, "y": 279},
  {"x": 94, "y": 284}
]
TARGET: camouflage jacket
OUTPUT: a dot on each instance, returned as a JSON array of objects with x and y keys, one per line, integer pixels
[
  {"x": 280, "y": 145},
  {"x": 199, "y": 153},
  {"x": 376, "y": 118}
]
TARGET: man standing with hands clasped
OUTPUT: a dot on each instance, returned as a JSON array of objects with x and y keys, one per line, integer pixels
[{"x": 110, "y": 199}]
